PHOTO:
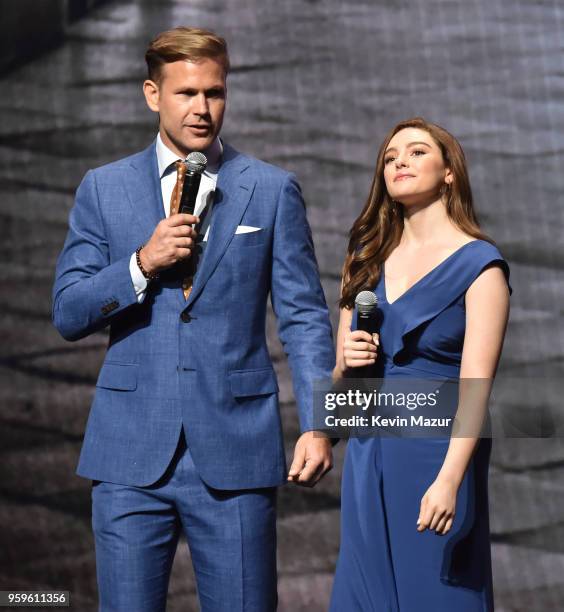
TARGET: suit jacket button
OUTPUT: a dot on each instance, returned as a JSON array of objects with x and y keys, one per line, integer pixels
[{"x": 185, "y": 317}]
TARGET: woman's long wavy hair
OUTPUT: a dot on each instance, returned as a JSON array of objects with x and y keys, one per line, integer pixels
[{"x": 378, "y": 229}]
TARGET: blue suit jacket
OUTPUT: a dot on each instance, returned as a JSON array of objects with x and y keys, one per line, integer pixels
[{"x": 202, "y": 362}]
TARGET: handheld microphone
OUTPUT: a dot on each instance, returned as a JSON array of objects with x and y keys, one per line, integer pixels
[
  {"x": 195, "y": 165},
  {"x": 366, "y": 307}
]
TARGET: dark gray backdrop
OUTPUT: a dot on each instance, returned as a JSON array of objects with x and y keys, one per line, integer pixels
[{"x": 315, "y": 85}]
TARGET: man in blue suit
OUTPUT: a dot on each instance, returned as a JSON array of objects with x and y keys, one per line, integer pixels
[{"x": 184, "y": 431}]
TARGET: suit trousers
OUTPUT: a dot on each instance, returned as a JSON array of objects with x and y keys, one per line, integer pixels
[{"x": 231, "y": 536}]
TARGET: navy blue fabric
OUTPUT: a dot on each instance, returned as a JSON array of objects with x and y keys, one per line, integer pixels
[{"x": 385, "y": 564}]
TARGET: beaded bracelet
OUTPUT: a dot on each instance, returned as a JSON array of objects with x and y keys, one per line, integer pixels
[{"x": 148, "y": 275}]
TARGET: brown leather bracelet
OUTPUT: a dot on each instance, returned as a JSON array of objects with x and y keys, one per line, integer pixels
[{"x": 148, "y": 275}]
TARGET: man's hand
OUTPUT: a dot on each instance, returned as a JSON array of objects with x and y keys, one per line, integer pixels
[
  {"x": 172, "y": 241},
  {"x": 313, "y": 457}
]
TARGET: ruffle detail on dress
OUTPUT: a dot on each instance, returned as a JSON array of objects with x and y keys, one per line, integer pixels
[{"x": 417, "y": 306}]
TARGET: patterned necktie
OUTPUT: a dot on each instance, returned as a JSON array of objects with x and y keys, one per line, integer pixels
[{"x": 188, "y": 267}]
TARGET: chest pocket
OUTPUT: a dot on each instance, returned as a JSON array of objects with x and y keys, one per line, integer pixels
[{"x": 248, "y": 239}]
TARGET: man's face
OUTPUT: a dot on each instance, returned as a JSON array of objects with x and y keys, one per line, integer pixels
[{"x": 190, "y": 99}]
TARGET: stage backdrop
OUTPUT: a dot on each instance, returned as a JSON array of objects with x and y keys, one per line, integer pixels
[{"x": 315, "y": 86}]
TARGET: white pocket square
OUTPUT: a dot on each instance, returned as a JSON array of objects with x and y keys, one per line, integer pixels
[{"x": 246, "y": 229}]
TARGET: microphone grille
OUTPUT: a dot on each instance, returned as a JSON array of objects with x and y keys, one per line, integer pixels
[
  {"x": 366, "y": 302},
  {"x": 196, "y": 162}
]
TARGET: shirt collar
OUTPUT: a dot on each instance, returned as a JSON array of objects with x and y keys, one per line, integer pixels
[{"x": 166, "y": 157}]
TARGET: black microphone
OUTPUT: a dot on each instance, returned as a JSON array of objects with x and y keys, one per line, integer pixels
[
  {"x": 195, "y": 164},
  {"x": 367, "y": 308},
  {"x": 366, "y": 320}
]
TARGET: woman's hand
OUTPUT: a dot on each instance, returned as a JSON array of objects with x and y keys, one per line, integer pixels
[
  {"x": 360, "y": 349},
  {"x": 437, "y": 507}
]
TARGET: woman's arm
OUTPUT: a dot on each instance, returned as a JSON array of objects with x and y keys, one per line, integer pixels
[
  {"x": 345, "y": 320},
  {"x": 487, "y": 312}
]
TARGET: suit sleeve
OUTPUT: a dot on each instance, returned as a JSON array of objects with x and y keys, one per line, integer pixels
[
  {"x": 298, "y": 300},
  {"x": 89, "y": 289}
]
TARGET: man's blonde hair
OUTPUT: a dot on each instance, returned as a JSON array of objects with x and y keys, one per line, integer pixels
[{"x": 184, "y": 43}]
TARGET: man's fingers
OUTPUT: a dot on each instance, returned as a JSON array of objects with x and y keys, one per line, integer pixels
[
  {"x": 183, "y": 253},
  {"x": 182, "y": 219},
  {"x": 297, "y": 463},
  {"x": 312, "y": 459},
  {"x": 185, "y": 243},
  {"x": 324, "y": 467},
  {"x": 183, "y": 230},
  {"x": 312, "y": 472},
  {"x": 308, "y": 472}
]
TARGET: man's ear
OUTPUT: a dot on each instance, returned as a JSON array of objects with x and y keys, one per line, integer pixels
[{"x": 151, "y": 91}]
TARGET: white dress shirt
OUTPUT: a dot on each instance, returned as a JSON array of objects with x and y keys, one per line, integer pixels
[{"x": 167, "y": 173}]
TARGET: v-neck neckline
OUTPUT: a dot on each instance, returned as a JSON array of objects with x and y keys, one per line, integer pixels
[{"x": 424, "y": 277}]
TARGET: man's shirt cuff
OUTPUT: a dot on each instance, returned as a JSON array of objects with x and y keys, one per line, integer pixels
[{"x": 139, "y": 281}]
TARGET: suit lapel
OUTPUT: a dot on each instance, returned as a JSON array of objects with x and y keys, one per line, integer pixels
[
  {"x": 143, "y": 187},
  {"x": 233, "y": 192},
  {"x": 232, "y": 195}
]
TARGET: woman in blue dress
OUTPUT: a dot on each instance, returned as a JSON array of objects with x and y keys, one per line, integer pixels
[{"x": 414, "y": 522}]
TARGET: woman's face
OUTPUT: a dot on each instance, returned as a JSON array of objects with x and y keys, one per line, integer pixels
[{"x": 414, "y": 169}]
